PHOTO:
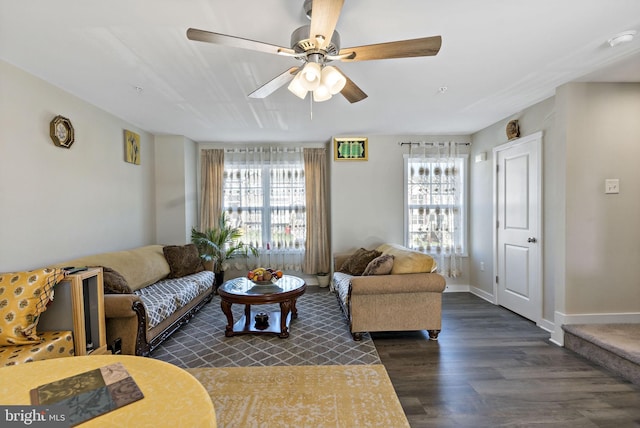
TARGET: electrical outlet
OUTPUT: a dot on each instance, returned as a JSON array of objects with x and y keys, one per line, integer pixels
[
  {"x": 482, "y": 266},
  {"x": 612, "y": 185}
]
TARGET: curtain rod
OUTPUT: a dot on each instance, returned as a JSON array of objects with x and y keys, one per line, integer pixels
[{"x": 411, "y": 143}]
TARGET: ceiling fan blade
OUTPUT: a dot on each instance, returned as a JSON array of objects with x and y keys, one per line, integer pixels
[
  {"x": 324, "y": 17},
  {"x": 351, "y": 91},
  {"x": 274, "y": 84},
  {"x": 236, "y": 42},
  {"x": 425, "y": 46}
]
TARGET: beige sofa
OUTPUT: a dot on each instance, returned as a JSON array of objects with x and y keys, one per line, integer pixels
[
  {"x": 409, "y": 297},
  {"x": 156, "y": 304}
]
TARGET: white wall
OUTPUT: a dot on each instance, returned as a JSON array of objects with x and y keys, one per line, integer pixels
[
  {"x": 57, "y": 203},
  {"x": 367, "y": 204},
  {"x": 176, "y": 193}
]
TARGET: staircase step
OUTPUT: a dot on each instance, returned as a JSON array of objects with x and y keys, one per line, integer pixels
[{"x": 615, "y": 347}]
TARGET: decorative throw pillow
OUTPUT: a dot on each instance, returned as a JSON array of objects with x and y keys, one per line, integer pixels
[
  {"x": 358, "y": 261},
  {"x": 408, "y": 261},
  {"x": 381, "y": 265},
  {"x": 114, "y": 282},
  {"x": 23, "y": 297},
  {"x": 183, "y": 260}
]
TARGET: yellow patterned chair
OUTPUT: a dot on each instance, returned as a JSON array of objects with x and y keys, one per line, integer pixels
[
  {"x": 23, "y": 297},
  {"x": 55, "y": 344}
]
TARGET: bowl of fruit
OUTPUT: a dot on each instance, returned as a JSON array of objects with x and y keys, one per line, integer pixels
[{"x": 264, "y": 276}]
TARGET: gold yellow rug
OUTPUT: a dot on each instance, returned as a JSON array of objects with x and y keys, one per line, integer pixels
[{"x": 302, "y": 396}]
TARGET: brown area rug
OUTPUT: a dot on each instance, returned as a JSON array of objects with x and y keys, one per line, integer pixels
[{"x": 302, "y": 396}]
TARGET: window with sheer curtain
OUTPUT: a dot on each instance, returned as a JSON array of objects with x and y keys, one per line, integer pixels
[
  {"x": 435, "y": 208},
  {"x": 264, "y": 195}
]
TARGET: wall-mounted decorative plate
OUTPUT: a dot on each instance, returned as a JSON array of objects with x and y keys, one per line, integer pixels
[
  {"x": 352, "y": 148},
  {"x": 513, "y": 129},
  {"x": 61, "y": 132}
]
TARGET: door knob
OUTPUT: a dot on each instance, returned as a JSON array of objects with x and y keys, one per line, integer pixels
[{"x": 532, "y": 240}]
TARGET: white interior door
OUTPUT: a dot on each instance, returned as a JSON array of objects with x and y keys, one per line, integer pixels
[{"x": 518, "y": 220}]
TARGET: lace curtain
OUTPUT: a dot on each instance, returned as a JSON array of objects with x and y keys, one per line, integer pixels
[
  {"x": 264, "y": 194},
  {"x": 435, "y": 204}
]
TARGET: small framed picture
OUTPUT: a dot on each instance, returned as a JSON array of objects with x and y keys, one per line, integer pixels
[
  {"x": 131, "y": 147},
  {"x": 350, "y": 148}
]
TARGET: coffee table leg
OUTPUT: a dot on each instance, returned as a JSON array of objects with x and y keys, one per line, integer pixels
[
  {"x": 285, "y": 307},
  {"x": 226, "y": 308},
  {"x": 294, "y": 309},
  {"x": 247, "y": 315}
]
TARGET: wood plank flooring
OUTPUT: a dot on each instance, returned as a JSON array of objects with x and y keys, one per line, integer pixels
[{"x": 493, "y": 368}]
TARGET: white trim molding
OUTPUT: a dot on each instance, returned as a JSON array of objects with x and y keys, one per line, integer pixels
[
  {"x": 457, "y": 288},
  {"x": 491, "y": 298},
  {"x": 561, "y": 319}
]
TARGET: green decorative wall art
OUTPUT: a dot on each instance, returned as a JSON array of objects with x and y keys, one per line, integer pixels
[{"x": 350, "y": 148}]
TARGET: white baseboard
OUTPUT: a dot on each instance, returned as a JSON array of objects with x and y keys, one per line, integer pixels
[
  {"x": 456, "y": 288},
  {"x": 608, "y": 318},
  {"x": 547, "y": 325},
  {"x": 611, "y": 318},
  {"x": 483, "y": 295},
  {"x": 465, "y": 288}
]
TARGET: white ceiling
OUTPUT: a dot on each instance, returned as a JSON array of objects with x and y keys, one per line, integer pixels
[{"x": 497, "y": 58}]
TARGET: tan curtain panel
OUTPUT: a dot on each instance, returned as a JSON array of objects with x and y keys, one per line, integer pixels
[
  {"x": 317, "y": 248},
  {"x": 212, "y": 171}
]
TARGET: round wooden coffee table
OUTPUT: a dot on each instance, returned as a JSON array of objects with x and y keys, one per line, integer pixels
[{"x": 245, "y": 292}]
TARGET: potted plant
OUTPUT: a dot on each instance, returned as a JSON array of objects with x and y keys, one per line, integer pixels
[
  {"x": 323, "y": 279},
  {"x": 220, "y": 244}
]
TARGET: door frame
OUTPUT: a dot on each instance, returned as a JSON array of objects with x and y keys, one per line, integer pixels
[{"x": 537, "y": 136}]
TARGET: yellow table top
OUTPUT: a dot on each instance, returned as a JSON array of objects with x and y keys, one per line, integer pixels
[{"x": 172, "y": 396}]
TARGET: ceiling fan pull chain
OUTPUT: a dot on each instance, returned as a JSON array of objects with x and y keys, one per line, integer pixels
[{"x": 311, "y": 107}]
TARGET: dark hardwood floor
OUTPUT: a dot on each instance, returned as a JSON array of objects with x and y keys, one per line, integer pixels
[{"x": 493, "y": 368}]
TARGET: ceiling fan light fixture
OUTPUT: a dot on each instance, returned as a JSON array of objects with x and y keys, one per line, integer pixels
[
  {"x": 311, "y": 75},
  {"x": 297, "y": 88},
  {"x": 321, "y": 94},
  {"x": 333, "y": 79}
]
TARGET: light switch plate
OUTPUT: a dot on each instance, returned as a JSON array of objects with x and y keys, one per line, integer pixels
[{"x": 612, "y": 185}]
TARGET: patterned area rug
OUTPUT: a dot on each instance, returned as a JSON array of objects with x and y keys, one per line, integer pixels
[
  {"x": 303, "y": 396},
  {"x": 319, "y": 336}
]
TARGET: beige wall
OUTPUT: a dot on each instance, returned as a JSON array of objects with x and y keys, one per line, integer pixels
[
  {"x": 176, "y": 193},
  {"x": 539, "y": 117},
  {"x": 602, "y": 231},
  {"x": 591, "y": 132},
  {"x": 367, "y": 204},
  {"x": 57, "y": 203}
]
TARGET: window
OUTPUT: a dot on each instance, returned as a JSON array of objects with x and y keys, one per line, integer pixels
[
  {"x": 264, "y": 194},
  {"x": 435, "y": 203}
]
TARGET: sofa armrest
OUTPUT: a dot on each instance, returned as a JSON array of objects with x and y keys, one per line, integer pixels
[
  {"x": 119, "y": 305},
  {"x": 339, "y": 259},
  {"x": 126, "y": 321},
  {"x": 401, "y": 283}
]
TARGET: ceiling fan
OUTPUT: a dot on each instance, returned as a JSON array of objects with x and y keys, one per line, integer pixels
[{"x": 316, "y": 45}]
